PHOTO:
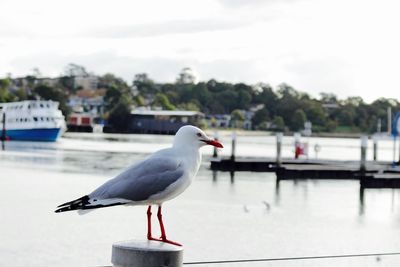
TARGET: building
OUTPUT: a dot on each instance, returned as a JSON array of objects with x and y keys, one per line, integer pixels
[
  {"x": 81, "y": 122},
  {"x": 162, "y": 121},
  {"x": 87, "y": 100},
  {"x": 86, "y": 82},
  {"x": 218, "y": 120}
]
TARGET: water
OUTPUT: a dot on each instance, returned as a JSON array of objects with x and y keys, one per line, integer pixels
[{"x": 217, "y": 218}]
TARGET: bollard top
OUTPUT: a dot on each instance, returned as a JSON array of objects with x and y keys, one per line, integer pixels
[
  {"x": 364, "y": 141},
  {"x": 146, "y": 245},
  {"x": 279, "y": 137},
  {"x": 234, "y": 135},
  {"x": 297, "y": 137}
]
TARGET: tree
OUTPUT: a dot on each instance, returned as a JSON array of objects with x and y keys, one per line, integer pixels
[
  {"x": 163, "y": 101},
  {"x": 331, "y": 126},
  {"x": 298, "y": 120},
  {"x": 267, "y": 97},
  {"x": 21, "y": 94},
  {"x": 189, "y": 106},
  {"x": 328, "y": 98},
  {"x": 314, "y": 112},
  {"x": 144, "y": 84},
  {"x": 119, "y": 114},
  {"x": 278, "y": 123},
  {"x": 75, "y": 70},
  {"x": 50, "y": 93},
  {"x": 186, "y": 76},
  {"x": 237, "y": 118},
  {"x": 261, "y": 116},
  {"x": 116, "y": 88},
  {"x": 112, "y": 97},
  {"x": 5, "y": 95}
]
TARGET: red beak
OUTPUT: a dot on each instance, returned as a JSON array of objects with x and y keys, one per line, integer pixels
[{"x": 214, "y": 143}]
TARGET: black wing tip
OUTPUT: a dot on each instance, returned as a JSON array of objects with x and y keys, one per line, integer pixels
[
  {"x": 73, "y": 205},
  {"x": 68, "y": 208}
]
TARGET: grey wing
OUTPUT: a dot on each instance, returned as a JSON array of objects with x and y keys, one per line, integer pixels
[{"x": 142, "y": 180}]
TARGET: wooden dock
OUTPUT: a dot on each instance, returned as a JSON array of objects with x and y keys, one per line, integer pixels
[
  {"x": 378, "y": 180},
  {"x": 374, "y": 174}
]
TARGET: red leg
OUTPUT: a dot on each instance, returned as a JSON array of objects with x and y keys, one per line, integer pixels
[
  {"x": 163, "y": 235},
  {"x": 149, "y": 237},
  {"x": 149, "y": 223}
]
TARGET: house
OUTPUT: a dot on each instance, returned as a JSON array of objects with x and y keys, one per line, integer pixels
[
  {"x": 162, "y": 121},
  {"x": 88, "y": 100},
  {"x": 218, "y": 120},
  {"x": 86, "y": 82}
]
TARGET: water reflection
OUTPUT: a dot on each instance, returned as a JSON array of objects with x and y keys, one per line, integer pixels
[
  {"x": 361, "y": 201},
  {"x": 277, "y": 192},
  {"x": 303, "y": 186},
  {"x": 98, "y": 157}
]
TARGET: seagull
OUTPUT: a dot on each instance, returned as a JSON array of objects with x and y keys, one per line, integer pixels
[{"x": 152, "y": 181}]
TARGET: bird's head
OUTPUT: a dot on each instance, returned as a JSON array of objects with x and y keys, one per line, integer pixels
[{"x": 192, "y": 136}]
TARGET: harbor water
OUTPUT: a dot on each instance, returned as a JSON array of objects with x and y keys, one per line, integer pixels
[{"x": 220, "y": 216}]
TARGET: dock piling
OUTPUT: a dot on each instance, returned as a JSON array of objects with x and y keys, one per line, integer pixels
[
  {"x": 375, "y": 139},
  {"x": 215, "y": 152},
  {"x": 3, "y": 132},
  {"x": 233, "y": 146},
  {"x": 278, "y": 149},
  {"x": 364, "y": 145},
  {"x": 146, "y": 254}
]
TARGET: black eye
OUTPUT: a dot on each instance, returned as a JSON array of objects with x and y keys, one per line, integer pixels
[{"x": 198, "y": 134}]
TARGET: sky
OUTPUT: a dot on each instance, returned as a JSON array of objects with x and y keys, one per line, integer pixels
[{"x": 345, "y": 47}]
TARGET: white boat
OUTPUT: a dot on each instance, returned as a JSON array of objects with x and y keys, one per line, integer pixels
[{"x": 32, "y": 120}]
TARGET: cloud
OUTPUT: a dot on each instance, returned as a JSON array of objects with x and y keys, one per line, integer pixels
[
  {"x": 166, "y": 28},
  {"x": 250, "y": 3},
  {"x": 321, "y": 75}
]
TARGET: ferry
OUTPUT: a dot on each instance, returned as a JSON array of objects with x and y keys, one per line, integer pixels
[{"x": 31, "y": 120}]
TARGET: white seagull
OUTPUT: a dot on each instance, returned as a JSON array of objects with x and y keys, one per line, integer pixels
[{"x": 152, "y": 181}]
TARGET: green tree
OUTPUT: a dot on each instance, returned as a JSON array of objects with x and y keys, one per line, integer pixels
[
  {"x": 5, "y": 95},
  {"x": 237, "y": 118},
  {"x": 163, "y": 101},
  {"x": 50, "y": 93},
  {"x": 331, "y": 126},
  {"x": 112, "y": 97},
  {"x": 145, "y": 85},
  {"x": 119, "y": 114},
  {"x": 261, "y": 116},
  {"x": 75, "y": 70},
  {"x": 298, "y": 120},
  {"x": 278, "y": 123},
  {"x": 21, "y": 94},
  {"x": 189, "y": 106},
  {"x": 267, "y": 96}
]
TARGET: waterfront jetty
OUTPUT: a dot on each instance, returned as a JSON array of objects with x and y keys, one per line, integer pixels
[{"x": 372, "y": 174}]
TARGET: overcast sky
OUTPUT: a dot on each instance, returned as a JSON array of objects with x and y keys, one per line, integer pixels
[{"x": 347, "y": 47}]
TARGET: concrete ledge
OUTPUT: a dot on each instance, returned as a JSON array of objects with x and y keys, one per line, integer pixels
[{"x": 134, "y": 253}]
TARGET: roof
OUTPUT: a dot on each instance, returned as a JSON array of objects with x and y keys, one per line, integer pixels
[{"x": 166, "y": 112}]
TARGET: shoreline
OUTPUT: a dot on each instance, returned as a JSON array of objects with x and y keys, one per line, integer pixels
[{"x": 228, "y": 132}]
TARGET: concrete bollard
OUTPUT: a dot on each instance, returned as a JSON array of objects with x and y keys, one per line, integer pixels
[
  {"x": 279, "y": 149},
  {"x": 215, "y": 152},
  {"x": 364, "y": 145},
  {"x": 375, "y": 139},
  {"x": 146, "y": 254},
  {"x": 233, "y": 146}
]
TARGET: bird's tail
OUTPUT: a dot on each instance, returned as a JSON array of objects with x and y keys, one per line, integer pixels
[{"x": 86, "y": 203}]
